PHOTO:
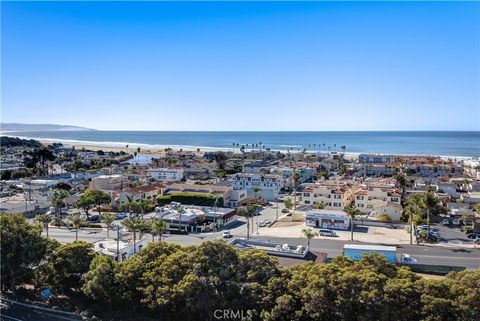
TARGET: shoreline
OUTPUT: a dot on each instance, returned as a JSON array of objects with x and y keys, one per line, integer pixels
[{"x": 159, "y": 150}]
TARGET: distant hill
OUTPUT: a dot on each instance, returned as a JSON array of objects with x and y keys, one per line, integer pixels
[{"x": 16, "y": 127}]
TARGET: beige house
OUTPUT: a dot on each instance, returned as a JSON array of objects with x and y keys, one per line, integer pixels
[{"x": 335, "y": 195}]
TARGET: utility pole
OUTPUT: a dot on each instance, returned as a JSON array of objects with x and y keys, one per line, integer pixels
[
  {"x": 277, "y": 202},
  {"x": 118, "y": 243},
  {"x": 215, "y": 214}
]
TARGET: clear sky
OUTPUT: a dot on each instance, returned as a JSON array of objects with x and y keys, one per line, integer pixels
[{"x": 242, "y": 66}]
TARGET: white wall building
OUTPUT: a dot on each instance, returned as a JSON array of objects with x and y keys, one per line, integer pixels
[
  {"x": 323, "y": 218},
  {"x": 334, "y": 195},
  {"x": 125, "y": 248},
  {"x": 269, "y": 184},
  {"x": 166, "y": 174}
]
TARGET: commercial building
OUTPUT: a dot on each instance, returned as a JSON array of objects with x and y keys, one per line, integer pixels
[
  {"x": 110, "y": 182},
  {"x": 323, "y": 218}
]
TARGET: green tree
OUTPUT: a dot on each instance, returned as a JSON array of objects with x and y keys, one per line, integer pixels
[
  {"x": 68, "y": 263},
  {"x": 351, "y": 212},
  {"x": 108, "y": 219},
  {"x": 309, "y": 234},
  {"x": 134, "y": 225},
  {"x": 99, "y": 282},
  {"x": 320, "y": 205},
  {"x": 22, "y": 249},
  {"x": 288, "y": 203}
]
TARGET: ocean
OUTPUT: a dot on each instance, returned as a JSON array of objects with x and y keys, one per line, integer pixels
[{"x": 438, "y": 143}]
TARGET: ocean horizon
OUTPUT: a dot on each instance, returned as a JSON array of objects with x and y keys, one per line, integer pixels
[{"x": 434, "y": 143}]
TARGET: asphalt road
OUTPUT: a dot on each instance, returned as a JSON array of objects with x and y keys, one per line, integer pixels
[{"x": 447, "y": 252}]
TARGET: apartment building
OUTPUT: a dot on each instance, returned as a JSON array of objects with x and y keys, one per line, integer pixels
[
  {"x": 379, "y": 200},
  {"x": 166, "y": 174},
  {"x": 334, "y": 195},
  {"x": 269, "y": 184},
  {"x": 376, "y": 158}
]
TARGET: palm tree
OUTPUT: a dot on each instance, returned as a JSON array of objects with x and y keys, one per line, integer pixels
[
  {"x": 309, "y": 234},
  {"x": 410, "y": 211},
  {"x": 158, "y": 227},
  {"x": 58, "y": 199},
  {"x": 429, "y": 202},
  {"x": 296, "y": 182},
  {"x": 76, "y": 223},
  {"x": 134, "y": 225},
  {"x": 108, "y": 219},
  {"x": 251, "y": 209},
  {"x": 134, "y": 156},
  {"x": 143, "y": 203},
  {"x": 126, "y": 148},
  {"x": 402, "y": 182},
  {"x": 44, "y": 220},
  {"x": 242, "y": 211},
  {"x": 180, "y": 212},
  {"x": 57, "y": 221},
  {"x": 351, "y": 212}
]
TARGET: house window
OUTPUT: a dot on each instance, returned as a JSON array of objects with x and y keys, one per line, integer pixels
[
  {"x": 306, "y": 194},
  {"x": 307, "y": 202}
]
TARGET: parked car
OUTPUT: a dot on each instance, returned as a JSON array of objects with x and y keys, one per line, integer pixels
[
  {"x": 473, "y": 236},
  {"x": 94, "y": 219},
  {"x": 263, "y": 223},
  {"x": 477, "y": 240},
  {"x": 407, "y": 259},
  {"x": 227, "y": 234},
  {"x": 327, "y": 232},
  {"x": 456, "y": 222},
  {"x": 285, "y": 210},
  {"x": 446, "y": 222},
  {"x": 121, "y": 216}
]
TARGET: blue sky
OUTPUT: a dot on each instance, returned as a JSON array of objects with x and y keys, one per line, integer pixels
[{"x": 242, "y": 66}]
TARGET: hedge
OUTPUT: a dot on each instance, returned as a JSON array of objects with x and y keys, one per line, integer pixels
[{"x": 190, "y": 199}]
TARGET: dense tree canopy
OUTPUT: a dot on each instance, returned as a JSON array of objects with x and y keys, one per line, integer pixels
[
  {"x": 22, "y": 249},
  {"x": 191, "y": 282}
]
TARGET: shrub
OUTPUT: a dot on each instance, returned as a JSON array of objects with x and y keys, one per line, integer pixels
[
  {"x": 190, "y": 199},
  {"x": 384, "y": 218}
]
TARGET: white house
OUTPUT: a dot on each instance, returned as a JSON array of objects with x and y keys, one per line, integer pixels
[
  {"x": 334, "y": 195},
  {"x": 166, "y": 174},
  {"x": 111, "y": 247}
]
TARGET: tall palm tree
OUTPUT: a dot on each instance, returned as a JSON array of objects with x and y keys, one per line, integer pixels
[
  {"x": 429, "y": 202},
  {"x": 296, "y": 182},
  {"x": 411, "y": 210},
  {"x": 134, "y": 225},
  {"x": 402, "y": 183},
  {"x": 108, "y": 219},
  {"x": 143, "y": 204},
  {"x": 309, "y": 234},
  {"x": 158, "y": 227},
  {"x": 180, "y": 212},
  {"x": 134, "y": 156},
  {"x": 44, "y": 220},
  {"x": 351, "y": 212},
  {"x": 242, "y": 211},
  {"x": 251, "y": 209},
  {"x": 58, "y": 199},
  {"x": 76, "y": 223}
]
